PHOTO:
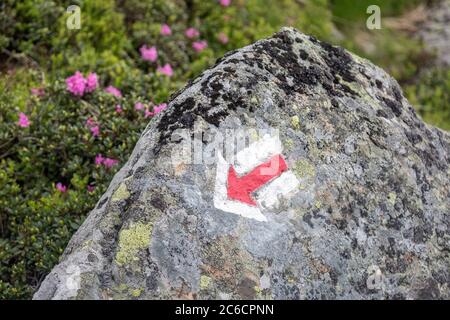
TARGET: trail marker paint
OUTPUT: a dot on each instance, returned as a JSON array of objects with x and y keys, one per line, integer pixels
[{"x": 259, "y": 168}]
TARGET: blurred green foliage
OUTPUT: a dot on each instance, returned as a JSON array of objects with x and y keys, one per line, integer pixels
[
  {"x": 38, "y": 51},
  {"x": 431, "y": 97}
]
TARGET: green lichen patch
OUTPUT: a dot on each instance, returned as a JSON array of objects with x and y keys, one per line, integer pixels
[
  {"x": 303, "y": 169},
  {"x": 136, "y": 292},
  {"x": 131, "y": 240},
  {"x": 392, "y": 196},
  {"x": 121, "y": 193},
  {"x": 204, "y": 282},
  {"x": 295, "y": 122},
  {"x": 254, "y": 100},
  {"x": 288, "y": 144}
]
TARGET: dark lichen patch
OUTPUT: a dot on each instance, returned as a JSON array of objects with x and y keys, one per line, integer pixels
[
  {"x": 158, "y": 203},
  {"x": 334, "y": 103},
  {"x": 384, "y": 114},
  {"x": 379, "y": 84},
  {"x": 395, "y": 106},
  {"x": 338, "y": 60},
  {"x": 413, "y": 137},
  {"x": 170, "y": 119},
  {"x": 303, "y": 54},
  {"x": 396, "y": 92},
  {"x": 281, "y": 51},
  {"x": 187, "y": 120}
]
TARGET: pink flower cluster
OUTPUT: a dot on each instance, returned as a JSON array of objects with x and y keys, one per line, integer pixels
[
  {"x": 23, "y": 120},
  {"x": 78, "y": 85},
  {"x": 199, "y": 46},
  {"x": 165, "y": 30},
  {"x": 61, "y": 188},
  {"x": 149, "y": 54},
  {"x": 156, "y": 109},
  {"x": 166, "y": 70},
  {"x": 107, "y": 162},
  {"x": 191, "y": 33},
  {"x": 225, "y": 3},
  {"x": 114, "y": 91},
  {"x": 93, "y": 126},
  {"x": 147, "y": 113},
  {"x": 139, "y": 106}
]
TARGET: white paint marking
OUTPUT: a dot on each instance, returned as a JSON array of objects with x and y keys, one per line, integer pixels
[
  {"x": 268, "y": 196},
  {"x": 245, "y": 161},
  {"x": 257, "y": 153}
]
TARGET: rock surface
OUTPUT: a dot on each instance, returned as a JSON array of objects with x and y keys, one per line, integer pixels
[{"x": 368, "y": 217}]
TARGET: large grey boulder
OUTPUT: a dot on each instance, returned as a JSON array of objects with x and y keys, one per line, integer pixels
[{"x": 356, "y": 207}]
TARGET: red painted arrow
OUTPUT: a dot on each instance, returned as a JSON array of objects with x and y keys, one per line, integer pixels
[{"x": 240, "y": 188}]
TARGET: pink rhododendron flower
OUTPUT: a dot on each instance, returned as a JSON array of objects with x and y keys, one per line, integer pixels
[
  {"x": 60, "y": 187},
  {"x": 149, "y": 54},
  {"x": 90, "y": 188},
  {"x": 225, "y": 3},
  {"x": 139, "y": 106},
  {"x": 39, "y": 92},
  {"x": 223, "y": 38},
  {"x": 23, "y": 120},
  {"x": 166, "y": 70},
  {"x": 157, "y": 109},
  {"x": 76, "y": 84},
  {"x": 199, "y": 45},
  {"x": 119, "y": 108},
  {"x": 91, "y": 82},
  {"x": 95, "y": 131},
  {"x": 99, "y": 159},
  {"x": 109, "y": 163},
  {"x": 191, "y": 33},
  {"x": 148, "y": 113},
  {"x": 165, "y": 30},
  {"x": 114, "y": 91}
]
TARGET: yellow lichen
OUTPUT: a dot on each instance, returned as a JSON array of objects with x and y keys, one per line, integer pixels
[
  {"x": 392, "y": 196},
  {"x": 289, "y": 143},
  {"x": 121, "y": 193},
  {"x": 303, "y": 169},
  {"x": 295, "y": 122},
  {"x": 136, "y": 292},
  {"x": 132, "y": 240},
  {"x": 204, "y": 282},
  {"x": 318, "y": 204}
]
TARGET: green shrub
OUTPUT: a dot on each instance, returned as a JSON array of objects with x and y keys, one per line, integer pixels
[
  {"x": 431, "y": 97},
  {"x": 36, "y": 220}
]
